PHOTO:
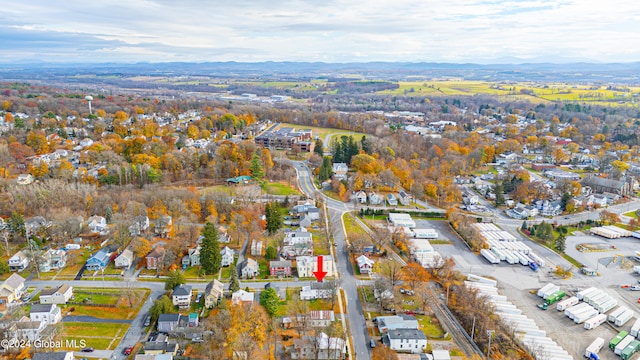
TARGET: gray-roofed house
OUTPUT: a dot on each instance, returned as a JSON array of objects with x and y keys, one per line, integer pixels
[
  {"x": 50, "y": 314},
  {"x": 181, "y": 296},
  {"x": 11, "y": 289},
  {"x": 58, "y": 295},
  {"x": 19, "y": 261},
  {"x": 58, "y": 355},
  {"x": 227, "y": 255},
  {"x": 409, "y": 340},
  {"x": 213, "y": 294},
  {"x": 125, "y": 259},
  {"x": 280, "y": 268},
  {"x": 402, "y": 321},
  {"x": 168, "y": 322},
  {"x": 249, "y": 268}
]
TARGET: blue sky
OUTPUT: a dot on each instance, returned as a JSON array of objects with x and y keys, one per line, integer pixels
[{"x": 479, "y": 31}]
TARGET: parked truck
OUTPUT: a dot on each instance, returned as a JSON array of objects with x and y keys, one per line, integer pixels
[
  {"x": 616, "y": 339},
  {"x": 594, "y": 348},
  {"x": 624, "y": 318},
  {"x": 631, "y": 349},
  {"x": 566, "y": 303},
  {"x": 595, "y": 321},
  {"x": 623, "y": 344},
  {"x": 552, "y": 299}
]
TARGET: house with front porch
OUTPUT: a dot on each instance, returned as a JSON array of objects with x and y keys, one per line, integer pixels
[{"x": 19, "y": 261}]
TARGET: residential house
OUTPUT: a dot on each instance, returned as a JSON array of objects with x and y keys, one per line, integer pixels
[
  {"x": 441, "y": 354},
  {"x": 406, "y": 340},
  {"x": 139, "y": 226},
  {"x": 549, "y": 208},
  {"x": 307, "y": 265},
  {"x": 25, "y": 179},
  {"x": 321, "y": 318},
  {"x": 361, "y": 196},
  {"x": 99, "y": 260},
  {"x": 405, "y": 198},
  {"x": 316, "y": 290},
  {"x": 340, "y": 171},
  {"x": 50, "y": 314},
  {"x": 249, "y": 268},
  {"x": 32, "y": 225},
  {"x": 193, "y": 257},
  {"x": 242, "y": 297},
  {"x": 469, "y": 198},
  {"x": 321, "y": 347},
  {"x": 53, "y": 260},
  {"x": 11, "y": 290},
  {"x": 163, "y": 226},
  {"x": 58, "y": 355},
  {"x": 256, "y": 248},
  {"x": 98, "y": 224},
  {"x": 280, "y": 268},
  {"x": 155, "y": 258},
  {"x": 223, "y": 235},
  {"x": 181, "y": 296},
  {"x": 194, "y": 320},
  {"x": 391, "y": 199},
  {"x": 168, "y": 322},
  {"x": 375, "y": 199},
  {"x": 297, "y": 243},
  {"x": 125, "y": 259},
  {"x": 227, "y": 256},
  {"x": 600, "y": 200},
  {"x": 365, "y": 265},
  {"x": 59, "y": 295},
  {"x": 27, "y": 329},
  {"x": 213, "y": 294},
  {"x": 393, "y": 322},
  {"x": 19, "y": 261}
]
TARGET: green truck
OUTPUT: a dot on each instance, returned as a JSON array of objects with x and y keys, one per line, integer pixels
[
  {"x": 616, "y": 340},
  {"x": 630, "y": 350},
  {"x": 552, "y": 299}
]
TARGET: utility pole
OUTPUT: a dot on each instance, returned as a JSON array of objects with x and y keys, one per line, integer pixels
[
  {"x": 473, "y": 327},
  {"x": 490, "y": 335}
]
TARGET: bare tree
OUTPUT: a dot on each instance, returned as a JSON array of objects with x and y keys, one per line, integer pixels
[{"x": 391, "y": 270}]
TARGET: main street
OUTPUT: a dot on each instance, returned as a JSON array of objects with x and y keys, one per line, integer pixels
[{"x": 348, "y": 281}]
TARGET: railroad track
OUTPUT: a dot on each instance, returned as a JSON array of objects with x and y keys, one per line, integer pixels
[{"x": 453, "y": 327}]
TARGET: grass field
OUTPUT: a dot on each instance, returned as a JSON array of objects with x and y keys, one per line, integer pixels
[
  {"x": 431, "y": 329},
  {"x": 101, "y": 336},
  {"x": 280, "y": 189}
]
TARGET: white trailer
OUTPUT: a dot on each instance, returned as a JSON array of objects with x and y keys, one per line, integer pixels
[
  {"x": 623, "y": 344},
  {"x": 524, "y": 261},
  {"x": 615, "y": 313},
  {"x": 584, "y": 292},
  {"x": 540, "y": 261},
  {"x": 584, "y": 316},
  {"x": 607, "y": 306},
  {"x": 499, "y": 254},
  {"x": 569, "y": 311},
  {"x": 595, "y": 321},
  {"x": 534, "y": 332},
  {"x": 594, "y": 300},
  {"x": 487, "y": 254},
  {"x": 635, "y": 328},
  {"x": 510, "y": 258},
  {"x": 577, "y": 313},
  {"x": 566, "y": 303},
  {"x": 425, "y": 233},
  {"x": 594, "y": 348},
  {"x": 587, "y": 298},
  {"x": 544, "y": 289},
  {"x": 624, "y": 318}
]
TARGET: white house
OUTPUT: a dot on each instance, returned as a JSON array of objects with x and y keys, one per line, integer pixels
[
  {"x": 249, "y": 268},
  {"x": 53, "y": 259},
  {"x": 125, "y": 259},
  {"x": 307, "y": 265},
  {"x": 405, "y": 198},
  {"x": 227, "y": 256},
  {"x": 409, "y": 340},
  {"x": 242, "y": 297},
  {"x": 98, "y": 224},
  {"x": 56, "y": 296},
  {"x": 375, "y": 199},
  {"x": 340, "y": 170},
  {"x": 18, "y": 261},
  {"x": 316, "y": 290},
  {"x": 49, "y": 314},
  {"x": 26, "y": 329},
  {"x": 321, "y": 318},
  {"x": 320, "y": 347},
  {"x": 361, "y": 196},
  {"x": 393, "y": 322},
  {"x": 365, "y": 265},
  {"x": 391, "y": 199},
  {"x": 181, "y": 296}
]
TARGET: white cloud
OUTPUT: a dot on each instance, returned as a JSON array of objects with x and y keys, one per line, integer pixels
[{"x": 332, "y": 30}]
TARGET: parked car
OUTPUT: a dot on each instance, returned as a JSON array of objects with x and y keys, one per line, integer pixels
[
  {"x": 87, "y": 349},
  {"x": 635, "y": 288},
  {"x": 372, "y": 343},
  {"x": 128, "y": 350}
]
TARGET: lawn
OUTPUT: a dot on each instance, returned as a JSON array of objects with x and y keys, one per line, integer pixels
[
  {"x": 280, "y": 189},
  {"x": 102, "y": 336},
  {"x": 631, "y": 214},
  {"x": 352, "y": 226},
  {"x": 431, "y": 329},
  {"x": 320, "y": 244}
]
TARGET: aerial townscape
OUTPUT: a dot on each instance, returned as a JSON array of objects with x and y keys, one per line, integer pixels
[{"x": 287, "y": 180}]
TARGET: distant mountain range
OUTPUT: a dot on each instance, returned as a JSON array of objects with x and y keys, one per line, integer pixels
[{"x": 532, "y": 71}]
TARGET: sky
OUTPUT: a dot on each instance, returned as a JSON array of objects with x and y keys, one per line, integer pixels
[{"x": 456, "y": 31}]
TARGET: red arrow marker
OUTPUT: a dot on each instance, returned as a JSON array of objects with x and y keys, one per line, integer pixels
[{"x": 319, "y": 274}]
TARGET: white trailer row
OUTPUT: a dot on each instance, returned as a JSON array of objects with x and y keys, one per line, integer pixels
[
  {"x": 594, "y": 348},
  {"x": 615, "y": 313},
  {"x": 581, "y": 294},
  {"x": 623, "y": 344},
  {"x": 635, "y": 328},
  {"x": 483, "y": 280},
  {"x": 593, "y": 294},
  {"x": 603, "y": 308},
  {"x": 486, "y": 227},
  {"x": 566, "y": 303},
  {"x": 518, "y": 246},
  {"x": 533, "y": 337},
  {"x": 624, "y": 318},
  {"x": 491, "y": 258},
  {"x": 585, "y": 315},
  {"x": 550, "y": 291},
  {"x": 610, "y": 232},
  {"x": 499, "y": 235},
  {"x": 571, "y": 312}
]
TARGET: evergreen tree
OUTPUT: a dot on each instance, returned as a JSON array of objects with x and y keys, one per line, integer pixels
[
  {"x": 15, "y": 223},
  {"x": 365, "y": 144},
  {"x": 326, "y": 169},
  {"x": 319, "y": 148},
  {"x": 174, "y": 279},
  {"x": 524, "y": 225},
  {"x": 210, "y": 257},
  {"x": 274, "y": 218},
  {"x": 234, "y": 283},
  {"x": 257, "y": 171},
  {"x": 564, "y": 200},
  {"x": 561, "y": 243},
  {"x": 499, "y": 195},
  {"x": 270, "y": 300},
  {"x": 164, "y": 305},
  {"x": 270, "y": 253}
]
